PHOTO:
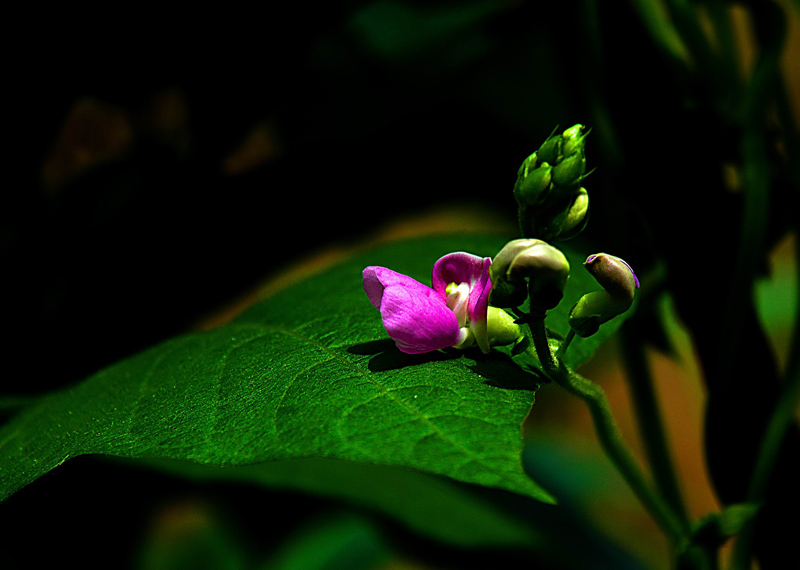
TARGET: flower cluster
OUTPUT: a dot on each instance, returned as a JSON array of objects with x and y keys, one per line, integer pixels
[{"x": 464, "y": 306}]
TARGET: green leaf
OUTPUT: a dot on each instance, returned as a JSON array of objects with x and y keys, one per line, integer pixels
[
  {"x": 309, "y": 372},
  {"x": 715, "y": 528}
]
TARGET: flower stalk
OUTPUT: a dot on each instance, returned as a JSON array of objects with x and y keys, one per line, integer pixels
[
  {"x": 608, "y": 433},
  {"x": 611, "y": 440}
]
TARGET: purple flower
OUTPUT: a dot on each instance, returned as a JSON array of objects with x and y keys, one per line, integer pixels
[{"x": 422, "y": 319}]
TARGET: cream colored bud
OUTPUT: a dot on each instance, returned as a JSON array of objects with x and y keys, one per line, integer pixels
[
  {"x": 508, "y": 291},
  {"x": 544, "y": 266}
]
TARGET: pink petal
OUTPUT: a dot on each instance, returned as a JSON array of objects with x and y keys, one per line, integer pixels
[
  {"x": 458, "y": 268},
  {"x": 463, "y": 267},
  {"x": 479, "y": 305},
  {"x": 414, "y": 315}
]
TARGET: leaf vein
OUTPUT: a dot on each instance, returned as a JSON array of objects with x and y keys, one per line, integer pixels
[{"x": 469, "y": 454}]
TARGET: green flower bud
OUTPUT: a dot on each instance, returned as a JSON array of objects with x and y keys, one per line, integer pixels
[
  {"x": 527, "y": 164},
  {"x": 573, "y": 132},
  {"x": 533, "y": 186},
  {"x": 564, "y": 219},
  {"x": 577, "y": 216},
  {"x": 502, "y": 328},
  {"x": 573, "y": 140},
  {"x": 619, "y": 286},
  {"x": 550, "y": 150},
  {"x": 570, "y": 171}
]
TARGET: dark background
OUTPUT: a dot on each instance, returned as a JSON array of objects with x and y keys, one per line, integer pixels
[
  {"x": 129, "y": 214},
  {"x": 161, "y": 164}
]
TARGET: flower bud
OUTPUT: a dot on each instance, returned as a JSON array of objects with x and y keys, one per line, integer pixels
[
  {"x": 614, "y": 275},
  {"x": 527, "y": 164},
  {"x": 577, "y": 216},
  {"x": 619, "y": 286},
  {"x": 564, "y": 219},
  {"x": 573, "y": 140},
  {"x": 502, "y": 328},
  {"x": 508, "y": 292},
  {"x": 550, "y": 149},
  {"x": 532, "y": 187},
  {"x": 546, "y": 268},
  {"x": 573, "y": 132},
  {"x": 570, "y": 171}
]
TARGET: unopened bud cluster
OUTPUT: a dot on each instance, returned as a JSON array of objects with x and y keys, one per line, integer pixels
[{"x": 553, "y": 204}]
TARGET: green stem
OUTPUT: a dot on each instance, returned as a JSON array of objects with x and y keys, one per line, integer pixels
[
  {"x": 539, "y": 334},
  {"x": 779, "y": 424},
  {"x": 661, "y": 29},
  {"x": 683, "y": 16},
  {"x": 565, "y": 345},
  {"x": 607, "y": 432},
  {"x": 611, "y": 440},
  {"x": 651, "y": 428}
]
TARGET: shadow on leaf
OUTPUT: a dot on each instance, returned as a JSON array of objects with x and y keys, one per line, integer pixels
[
  {"x": 497, "y": 369},
  {"x": 500, "y": 371},
  {"x": 388, "y": 357}
]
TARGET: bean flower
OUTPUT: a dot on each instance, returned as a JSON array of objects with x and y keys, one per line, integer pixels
[{"x": 451, "y": 313}]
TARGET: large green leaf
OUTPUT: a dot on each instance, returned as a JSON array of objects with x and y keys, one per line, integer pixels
[{"x": 308, "y": 372}]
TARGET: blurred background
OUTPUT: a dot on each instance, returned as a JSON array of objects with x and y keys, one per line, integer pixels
[{"x": 164, "y": 166}]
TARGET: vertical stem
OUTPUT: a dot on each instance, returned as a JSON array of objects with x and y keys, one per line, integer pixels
[
  {"x": 611, "y": 440},
  {"x": 650, "y": 424},
  {"x": 781, "y": 420},
  {"x": 565, "y": 345},
  {"x": 539, "y": 334},
  {"x": 607, "y": 432}
]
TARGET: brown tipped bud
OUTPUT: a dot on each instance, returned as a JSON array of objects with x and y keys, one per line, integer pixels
[
  {"x": 619, "y": 286},
  {"x": 614, "y": 275}
]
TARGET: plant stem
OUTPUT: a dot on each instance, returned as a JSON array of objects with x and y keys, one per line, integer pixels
[
  {"x": 565, "y": 345},
  {"x": 779, "y": 424},
  {"x": 539, "y": 334},
  {"x": 611, "y": 440},
  {"x": 651, "y": 427},
  {"x": 607, "y": 432}
]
